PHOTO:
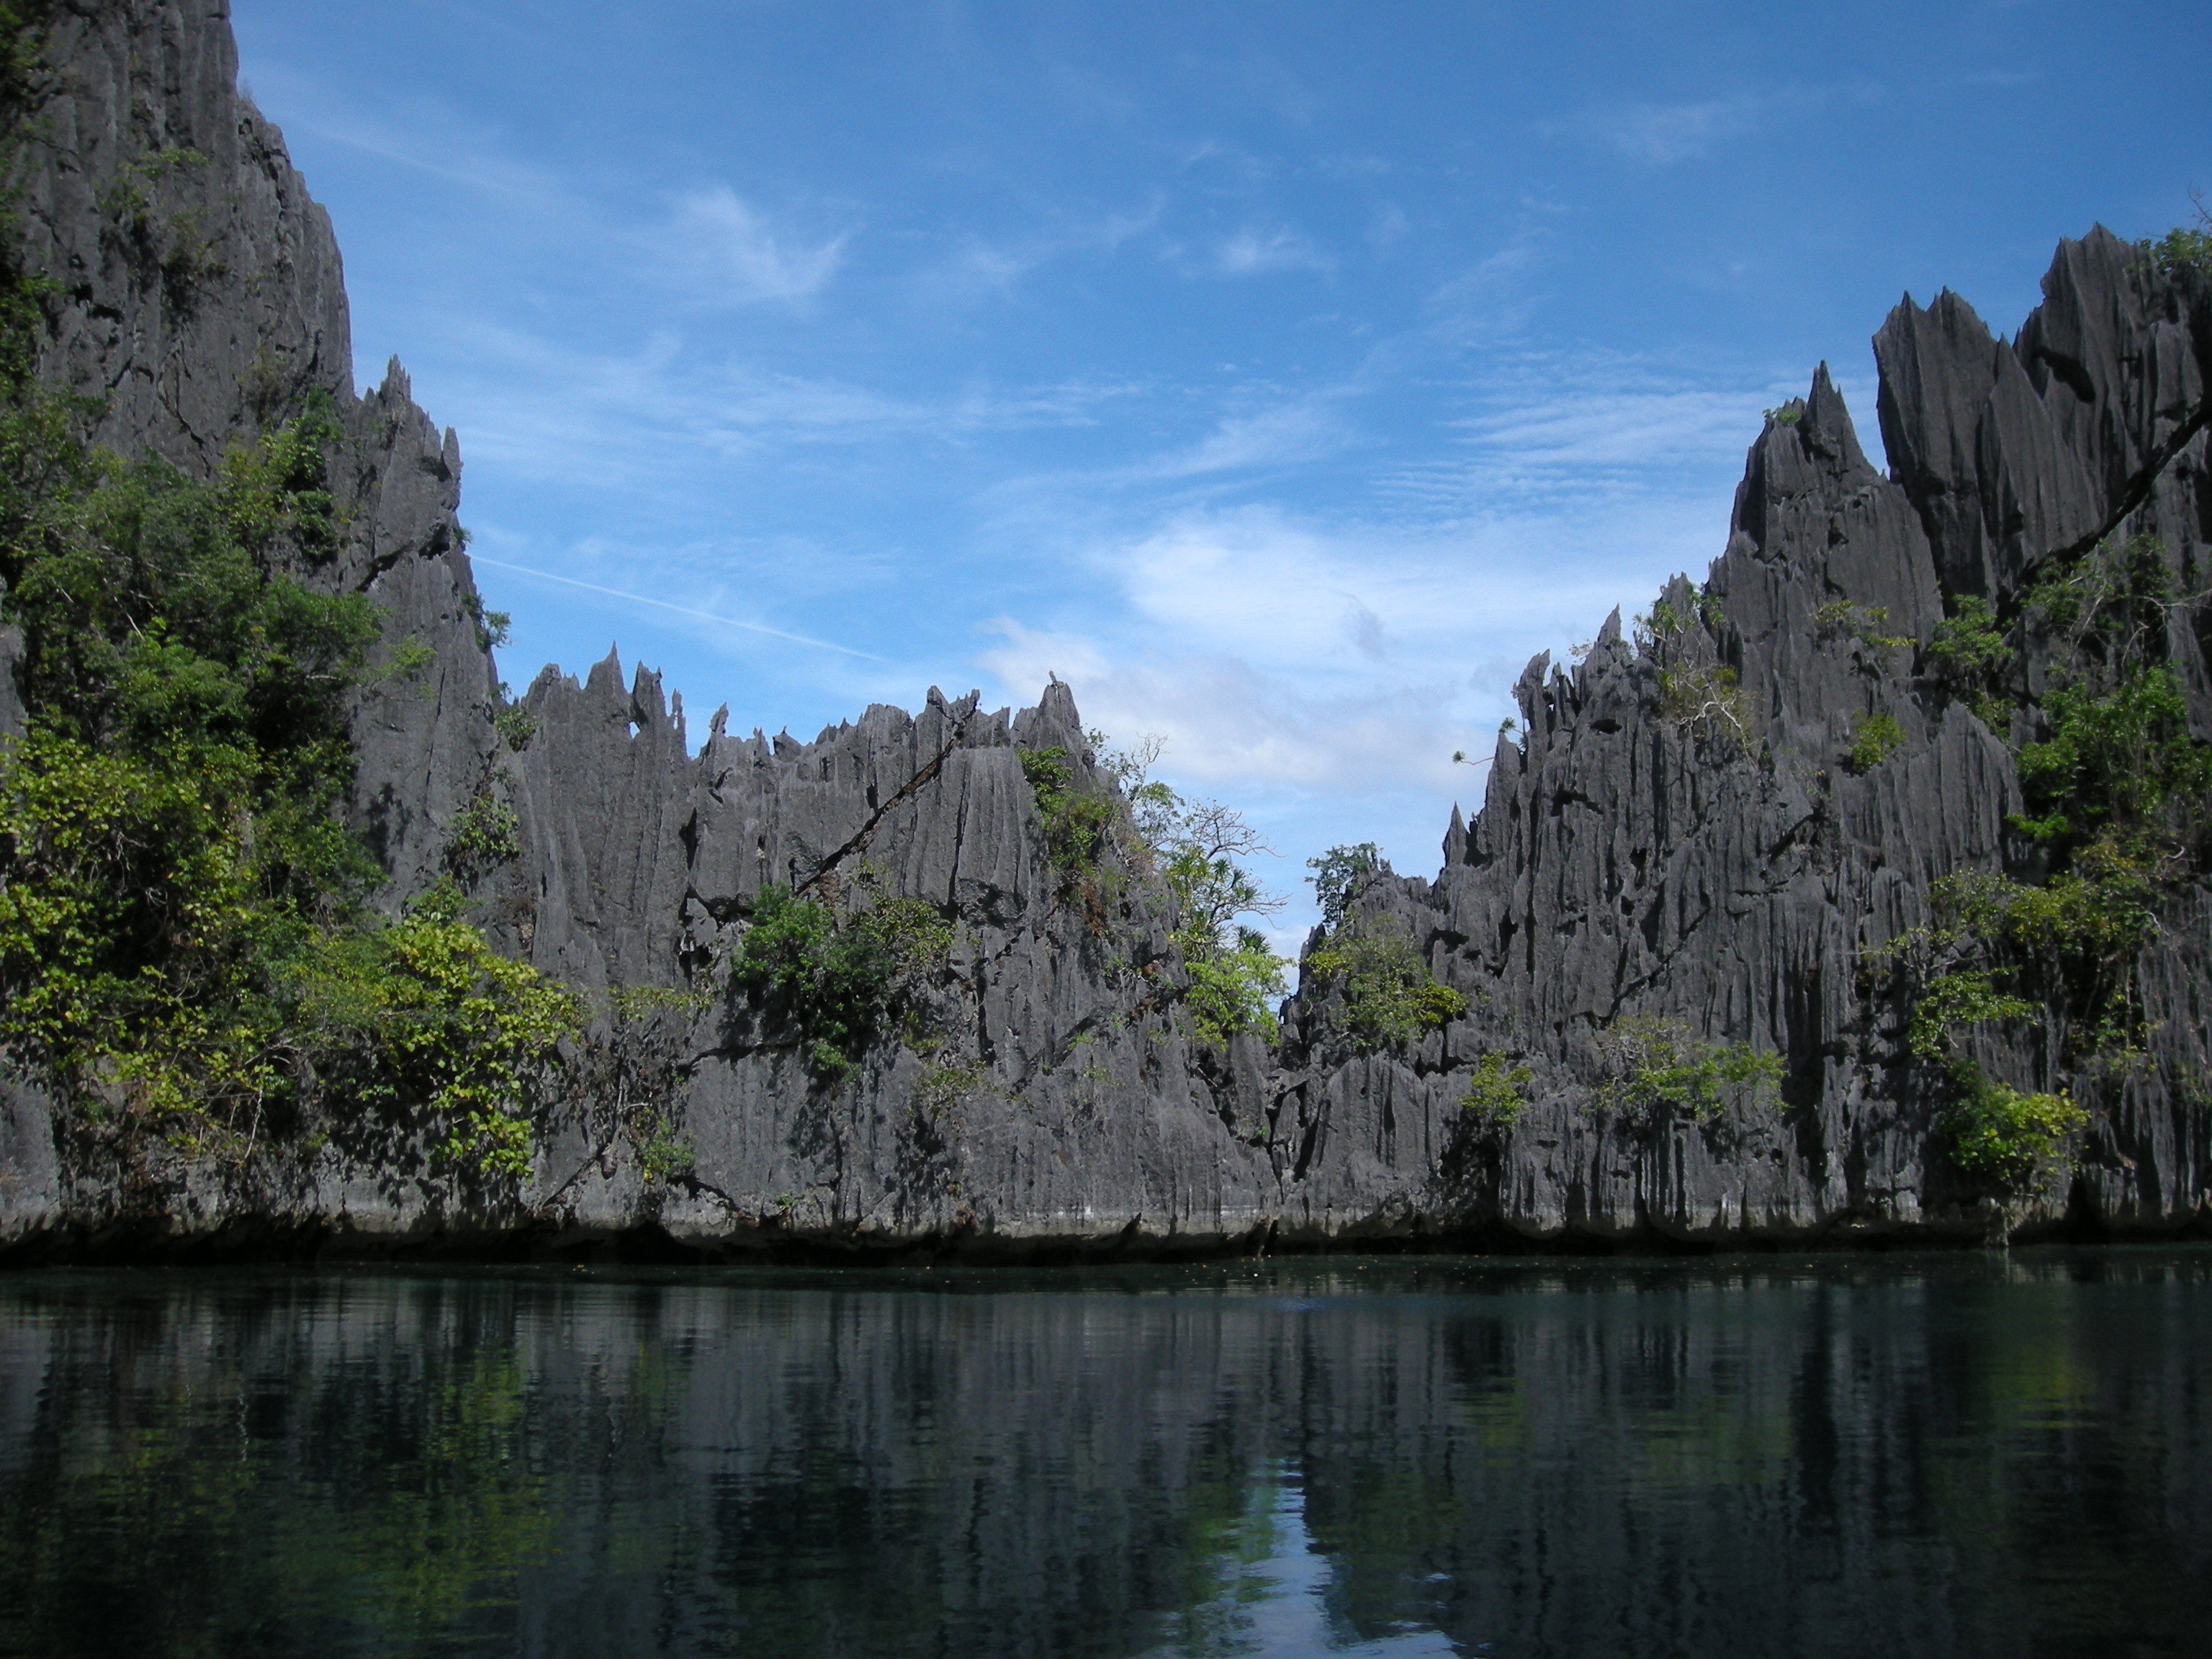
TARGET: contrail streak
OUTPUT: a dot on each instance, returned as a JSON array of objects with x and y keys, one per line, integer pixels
[{"x": 680, "y": 609}]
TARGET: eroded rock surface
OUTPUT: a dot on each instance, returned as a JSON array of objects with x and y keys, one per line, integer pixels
[{"x": 1642, "y": 850}]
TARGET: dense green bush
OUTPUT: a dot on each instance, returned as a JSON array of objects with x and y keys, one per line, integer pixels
[
  {"x": 483, "y": 835},
  {"x": 1875, "y": 738},
  {"x": 2186, "y": 248},
  {"x": 833, "y": 980},
  {"x": 185, "y": 950},
  {"x": 1077, "y": 823},
  {"x": 1196, "y": 848},
  {"x": 1340, "y": 877},
  {"x": 1970, "y": 657},
  {"x": 1386, "y": 994},
  {"x": 2119, "y": 797},
  {"x": 1657, "y": 1069},
  {"x": 1497, "y": 1091}
]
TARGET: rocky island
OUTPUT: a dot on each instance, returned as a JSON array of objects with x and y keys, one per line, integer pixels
[{"x": 1857, "y": 893}]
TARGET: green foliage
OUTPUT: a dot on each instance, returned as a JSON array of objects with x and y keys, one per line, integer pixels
[
  {"x": 1700, "y": 694},
  {"x": 1970, "y": 656},
  {"x": 639, "y": 1005},
  {"x": 1875, "y": 738},
  {"x": 2008, "y": 1137},
  {"x": 1197, "y": 849},
  {"x": 514, "y": 725},
  {"x": 485, "y": 834},
  {"x": 1077, "y": 823},
  {"x": 185, "y": 951},
  {"x": 404, "y": 659},
  {"x": 834, "y": 981},
  {"x": 2001, "y": 952},
  {"x": 424, "y": 1012},
  {"x": 2186, "y": 248},
  {"x": 1841, "y": 619},
  {"x": 1232, "y": 987},
  {"x": 1388, "y": 995},
  {"x": 940, "y": 1088},
  {"x": 1339, "y": 876},
  {"x": 2118, "y": 793},
  {"x": 2122, "y": 762},
  {"x": 663, "y": 1154},
  {"x": 1498, "y": 1091},
  {"x": 2115, "y": 760},
  {"x": 492, "y": 627},
  {"x": 1788, "y": 415},
  {"x": 1657, "y": 1068},
  {"x": 1654, "y": 627}
]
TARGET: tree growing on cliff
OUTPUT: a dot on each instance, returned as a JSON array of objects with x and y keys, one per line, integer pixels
[
  {"x": 1199, "y": 849},
  {"x": 188, "y": 957},
  {"x": 1383, "y": 992}
]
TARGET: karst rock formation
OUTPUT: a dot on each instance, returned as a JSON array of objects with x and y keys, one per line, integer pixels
[{"x": 1633, "y": 858}]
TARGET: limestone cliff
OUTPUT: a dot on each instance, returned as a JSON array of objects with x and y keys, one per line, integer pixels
[{"x": 1642, "y": 854}]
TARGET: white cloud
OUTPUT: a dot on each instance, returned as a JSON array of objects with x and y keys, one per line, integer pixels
[
  {"x": 1253, "y": 251},
  {"x": 1276, "y": 654},
  {"x": 1301, "y": 430},
  {"x": 664, "y": 414},
  {"x": 1659, "y": 135},
  {"x": 725, "y": 251},
  {"x": 981, "y": 265},
  {"x": 1561, "y": 427}
]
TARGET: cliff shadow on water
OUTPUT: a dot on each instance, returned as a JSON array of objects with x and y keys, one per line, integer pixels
[{"x": 1854, "y": 896}]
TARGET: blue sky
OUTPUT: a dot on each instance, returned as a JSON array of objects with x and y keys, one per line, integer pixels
[{"x": 1281, "y": 375}]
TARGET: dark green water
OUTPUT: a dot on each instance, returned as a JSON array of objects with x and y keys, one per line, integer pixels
[{"x": 1959, "y": 1456}]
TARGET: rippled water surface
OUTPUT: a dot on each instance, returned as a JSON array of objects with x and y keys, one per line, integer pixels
[{"x": 1984, "y": 1456}]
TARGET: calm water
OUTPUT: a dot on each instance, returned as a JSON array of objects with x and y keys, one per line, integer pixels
[{"x": 1958, "y": 1455}]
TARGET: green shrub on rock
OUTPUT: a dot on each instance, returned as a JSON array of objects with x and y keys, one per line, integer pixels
[
  {"x": 833, "y": 980},
  {"x": 188, "y": 957},
  {"x": 1388, "y": 996},
  {"x": 1497, "y": 1091},
  {"x": 1657, "y": 1069}
]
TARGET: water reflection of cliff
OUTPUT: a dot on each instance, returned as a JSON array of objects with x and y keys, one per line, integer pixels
[{"x": 1961, "y": 1457}]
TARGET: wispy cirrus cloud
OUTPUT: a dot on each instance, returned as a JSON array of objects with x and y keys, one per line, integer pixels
[
  {"x": 979, "y": 265},
  {"x": 724, "y": 250},
  {"x": 668, "y": 414},
  {"x": 1661, "y": 134},
  {"x": 1255, "y": 250}
]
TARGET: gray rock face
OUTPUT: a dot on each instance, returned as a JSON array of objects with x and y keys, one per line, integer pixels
[
  {"x": 201, "y": 295},
  {"x": 1629, "y": 862},
  {"x": 1652, "y": 845}
]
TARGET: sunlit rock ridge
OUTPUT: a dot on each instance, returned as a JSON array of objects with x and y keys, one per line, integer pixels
[{"x": 1638, "y": 856}]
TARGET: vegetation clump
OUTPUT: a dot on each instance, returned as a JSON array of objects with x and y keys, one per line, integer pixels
[
  {"x": 1705, "y": 694},
  {"x": 1657, "y": 1069},
  {"x": 1971, "y": 657},
  {"x": 833, "y": 979},
  {"x": 1340, "y": 876},
  {"x": 1388, "y": 996},
  {"x": 1077, "y": 823},
  {"x": 1197, "y": 848},
  {"x": 1497, "y": 1091},
  {"x": 424, "y": 1012},
  {"x": 2119, "y": 809},
  {"x": 1842, "y": 619},
  {"x": 515, "y": 724},
  {"x": 1385, "y": 994},
  {"x": 483, "y": 835},
  {"x": 188, "y": 957},
  {"x": 2186, "y": 248},
  {"x": 1875, "y": 738}
]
